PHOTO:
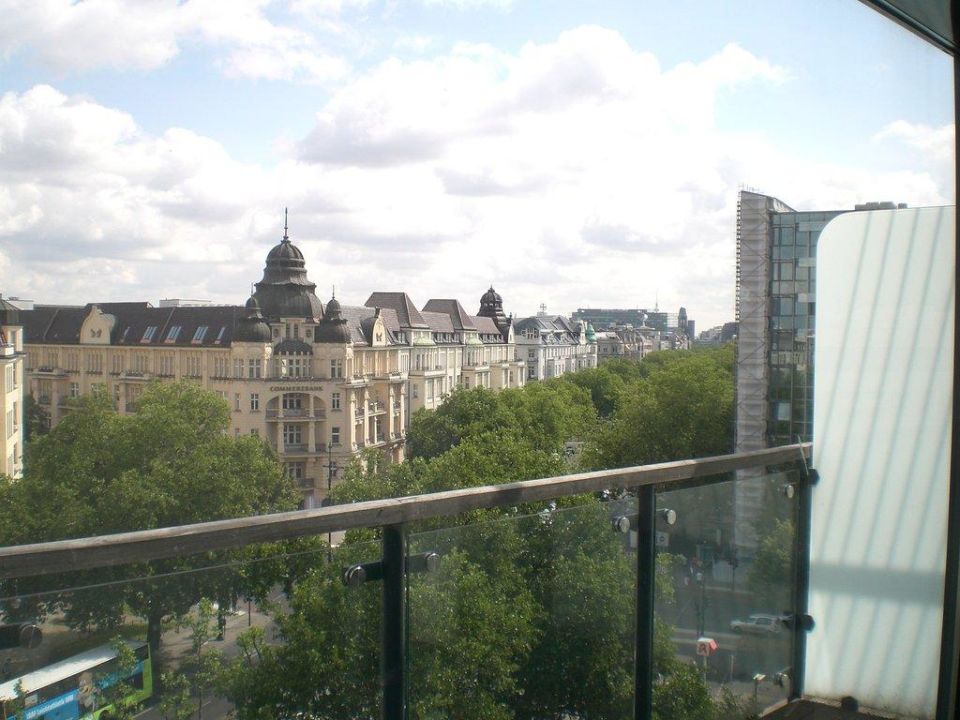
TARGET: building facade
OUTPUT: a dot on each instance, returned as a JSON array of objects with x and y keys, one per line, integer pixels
[
  {"x": 775, "y": 332},
  {"x": 550, "y": 346},
  {"x": 319, "y": 383},
  {"x": 11, "y": 390}
]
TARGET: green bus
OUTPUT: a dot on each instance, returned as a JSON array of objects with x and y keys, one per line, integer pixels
[{"x": 72, "y": 688}]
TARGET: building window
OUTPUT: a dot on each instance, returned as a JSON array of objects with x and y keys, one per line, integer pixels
[
  {"x": 255, "y": 432},
  {"x": 335, "y": 401},
  {"x": 223, "y": 331},
  {"x": 336, "y": 368},
  {"x": 74, "y": 390},
  {"x": 335, "y": 435},
  {"x": 236, "y": 402},
  {"x": 292, "y": 434},
  {"x": 295, "y": 471},
  {"x": 254, "y": 401},
  {"x": 149, "y": 334},
  {"x": 292, "y": 401},
  {"x": 238, "y": 368},
  {"x": 254, "y": 368},
  {"x": 199, "y": 335},
  {"x": 173, "y": 334},
  {"x": 415, "y": 391}
]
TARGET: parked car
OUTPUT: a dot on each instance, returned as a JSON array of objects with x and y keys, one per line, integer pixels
[{"x": 758, "y": 624}]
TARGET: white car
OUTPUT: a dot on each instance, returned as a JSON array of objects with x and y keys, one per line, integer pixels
[{"x": 758, "y": 624}]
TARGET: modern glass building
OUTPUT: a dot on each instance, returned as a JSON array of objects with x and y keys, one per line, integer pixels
[{"x": 776, "y": 285}]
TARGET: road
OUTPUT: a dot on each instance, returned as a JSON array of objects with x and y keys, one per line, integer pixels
[{"x": 175, "y": 645}]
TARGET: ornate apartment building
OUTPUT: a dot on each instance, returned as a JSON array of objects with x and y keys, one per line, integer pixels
[
  {"x": 11, "y": 390},
  {"x": 318, "y": 383},
  {"x": 550, "y": 346}
]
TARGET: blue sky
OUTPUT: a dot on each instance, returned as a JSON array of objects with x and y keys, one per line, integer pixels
[{"x": 577, "y": 154}]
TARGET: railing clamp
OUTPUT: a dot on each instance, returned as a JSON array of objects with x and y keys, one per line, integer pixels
[
  {"x": 357, "y": 575},
  {"x": 810, "y": 474},
  {"x": 626, "y": 523},
  {"x": 804, "y": 622}
]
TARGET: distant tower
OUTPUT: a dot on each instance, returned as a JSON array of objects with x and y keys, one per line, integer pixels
[
  {"x": 491, "y": 306},
  {"x": 682, "y": 320}
]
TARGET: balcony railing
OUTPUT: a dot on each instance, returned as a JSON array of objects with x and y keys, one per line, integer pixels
[{"x": 602, "y": 566}]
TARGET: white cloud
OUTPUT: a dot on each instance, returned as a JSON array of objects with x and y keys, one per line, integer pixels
[
  {"x": 73, "y": 37},
  {"x": 471, "y": 4},
  {"x": 576, "y": 172}
]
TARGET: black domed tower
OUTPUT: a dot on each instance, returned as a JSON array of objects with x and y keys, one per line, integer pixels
[
  {"x": 285, "y": 290},
  {"x": 333, "y": 328},
  {"x": 491, "y": 306},
  {"x": 252, "y": 327}
]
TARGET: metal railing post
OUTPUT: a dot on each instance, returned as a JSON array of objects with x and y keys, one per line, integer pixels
[
  {"x": 646, "y": 586},
  {"x": 802, "y": 623},
  {"x": 394, "y": 624}
]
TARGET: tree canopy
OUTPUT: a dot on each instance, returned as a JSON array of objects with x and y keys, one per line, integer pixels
[{"x": 170, "y": 463}]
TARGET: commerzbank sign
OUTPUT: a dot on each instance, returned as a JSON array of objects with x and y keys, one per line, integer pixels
[{"x": 296, "y": 388}]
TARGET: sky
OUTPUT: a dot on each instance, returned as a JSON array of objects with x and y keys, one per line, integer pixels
[{"x": 570, "y": 153}]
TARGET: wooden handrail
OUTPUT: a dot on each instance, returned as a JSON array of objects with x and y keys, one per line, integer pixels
[{"x": 145, "y": 545}]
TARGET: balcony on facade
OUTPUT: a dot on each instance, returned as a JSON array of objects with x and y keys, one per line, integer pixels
[{"x": 275, "y": 414}]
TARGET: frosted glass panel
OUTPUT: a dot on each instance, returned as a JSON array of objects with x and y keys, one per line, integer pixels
[{"x": 884, "y": 353}]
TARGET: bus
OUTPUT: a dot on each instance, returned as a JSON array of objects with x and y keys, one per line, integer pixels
[{"x": 72, "y": 688}]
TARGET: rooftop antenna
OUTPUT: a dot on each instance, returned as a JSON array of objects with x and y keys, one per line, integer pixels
[
  {"x": 285, "y": 236},
  {"x": 656, "y": 301},
  {"x": 333, "y": 292}
]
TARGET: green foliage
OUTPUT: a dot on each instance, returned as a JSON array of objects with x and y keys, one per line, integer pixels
[
  {"x": 683, "y": 695},
  {"x": 769, "y": 575},
  {"x": 170, "y": 463},
  {"x": 117, "y": 694},
  {"x": 36, "y": 420},
  {"x": 542, "y": 415},
  {"x": 681, "y": 408},
  {"x": 604, "y": 384}
]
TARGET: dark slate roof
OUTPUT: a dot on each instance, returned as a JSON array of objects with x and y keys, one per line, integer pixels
[
  {"x": 60, "y": 324},
  {"x": 400, "y": 302},
  {"x": 562, "y": 322},
  {"x": 360, "y": 320},
  {"x": 438, "y": 322},
  {"x": 552, "y": 330},
  {"x": 486, "y": 326},
  {"x": 461, "y": 320},
  {"x": 9, "y": 313}
]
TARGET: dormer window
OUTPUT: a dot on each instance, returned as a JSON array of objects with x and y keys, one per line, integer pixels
[
  {"x": 220, "y": 335},
  {"x": 149, "y": 334},
  {"x": 173, "y": 334},
  {"x": 199, "y": 335}
]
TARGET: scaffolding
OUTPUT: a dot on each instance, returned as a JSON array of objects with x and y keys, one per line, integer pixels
[{"x": 752, "y": 368}]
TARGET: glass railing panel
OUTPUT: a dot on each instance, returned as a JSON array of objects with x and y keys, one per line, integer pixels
[
  {"x": 724, "y": 606},
  {"x": 267, "y": 630},
  {"x": 528, "y": 616}
]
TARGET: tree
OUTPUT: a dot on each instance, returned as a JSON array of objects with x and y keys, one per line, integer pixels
[
  {"x": 769, "y": 575},
  {"x": 36, "y": 420},
  {"x": 605, "y": 386},
  {"x": 683, "y": 408},
  {"x": 170, "y": 463}
]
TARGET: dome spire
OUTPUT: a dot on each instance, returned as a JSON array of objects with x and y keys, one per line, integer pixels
[{"x": 286, "y": 237}]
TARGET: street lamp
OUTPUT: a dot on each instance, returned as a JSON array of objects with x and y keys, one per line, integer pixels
[
  {"x": 701, "y": 605},
  {"x": 331, "y": 471}
]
